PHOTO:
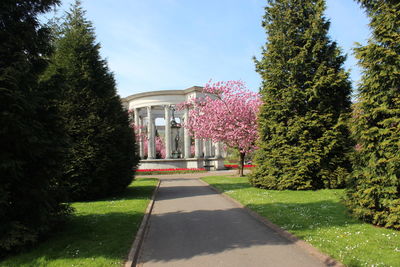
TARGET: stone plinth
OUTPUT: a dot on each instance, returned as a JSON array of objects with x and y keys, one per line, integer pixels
[{"x": 209, "y": 164}]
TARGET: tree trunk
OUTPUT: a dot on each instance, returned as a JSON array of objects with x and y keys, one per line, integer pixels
[{"x": 241, "y": 164}]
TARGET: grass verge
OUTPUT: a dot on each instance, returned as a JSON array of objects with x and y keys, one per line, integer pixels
[
  {"x": 100, "y": 233},
  {"x": 319, "y": 218}
]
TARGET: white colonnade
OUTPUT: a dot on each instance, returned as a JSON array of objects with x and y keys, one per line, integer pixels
[
  {"x": 203, "y": 148},
  {"x": 151, "y": 106}
]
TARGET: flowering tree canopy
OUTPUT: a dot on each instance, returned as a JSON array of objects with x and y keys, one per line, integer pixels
[
  {"x": 228, "y": 114},
  {"x": 160, "y": 147}
]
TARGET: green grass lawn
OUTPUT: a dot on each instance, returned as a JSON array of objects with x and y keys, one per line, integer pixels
[
  {"x": 100, "y": 233},
  {"x": 319, "y": 218}
]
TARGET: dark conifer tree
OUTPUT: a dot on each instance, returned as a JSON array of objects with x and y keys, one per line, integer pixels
[
  {"x": 102, "y": 157},
  {"x": 375, "y": 186},
  {"x": 31, "y": 134},
  {"x": 306, "y": 93}
]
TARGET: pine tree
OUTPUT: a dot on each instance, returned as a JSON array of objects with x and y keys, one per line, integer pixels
[
  {"x": 31, "y": 136},
  {"x": 375, "y": 185},
  {"x": 101, "y": 158},
  {"x": 304, "y": 141}
]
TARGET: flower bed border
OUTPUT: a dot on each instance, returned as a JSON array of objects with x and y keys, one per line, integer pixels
[{"x": 169, "y": 171}]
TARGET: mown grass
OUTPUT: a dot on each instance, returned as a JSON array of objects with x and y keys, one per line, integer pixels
[
  {"x": 320, "y": 218},
  {"x": 100, "y": 233}
]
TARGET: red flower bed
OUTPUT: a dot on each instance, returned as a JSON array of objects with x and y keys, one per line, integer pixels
[
  {"x": 171, "y": 170},
  {"x": 235, "y": 166}
]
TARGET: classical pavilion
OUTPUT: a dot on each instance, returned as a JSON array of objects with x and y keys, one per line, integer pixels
[{"x": 156, "y": 118}]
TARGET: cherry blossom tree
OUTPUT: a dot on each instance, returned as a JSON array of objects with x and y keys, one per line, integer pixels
[
  {"x": 227, "y": 114},
  {"x": 160, "y": 148}
]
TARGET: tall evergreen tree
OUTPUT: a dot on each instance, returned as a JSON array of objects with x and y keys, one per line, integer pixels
[
  {"x": 306, "y": 93},
  {"x": 102, "y": 155},
  {"x": 31, "y": 136},
  {"x": 375, "y": 186}
]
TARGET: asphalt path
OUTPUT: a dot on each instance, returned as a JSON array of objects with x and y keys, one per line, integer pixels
[{"x": 192, "y": 225}]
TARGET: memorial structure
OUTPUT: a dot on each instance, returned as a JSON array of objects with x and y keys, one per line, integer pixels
[{"x": 181, "y": 150}]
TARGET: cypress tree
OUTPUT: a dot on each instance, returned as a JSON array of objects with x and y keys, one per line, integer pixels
[
  {"x": 304, "y": 139},
  {"x": 101, "y": 158},
  {"x": 31, "y": 135},
  {"x": 374, "y": 194}
]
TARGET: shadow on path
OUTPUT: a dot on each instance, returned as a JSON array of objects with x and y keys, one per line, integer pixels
[
  {"x": 192, "y": 225},
  {"x": 183, "y": 235}
]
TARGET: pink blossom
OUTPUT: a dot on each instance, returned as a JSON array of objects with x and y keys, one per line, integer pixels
[
  {"x": 226, "y": 114},
  {"x": 160, "y": 147},
  {"x": 141, "y": 136}
]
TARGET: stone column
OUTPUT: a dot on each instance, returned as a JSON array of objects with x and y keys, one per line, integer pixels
[
  {"x": 212, "y": 147},
  {"x": 187, "y": 139},
  {"x": 151, "y": 143},
  {"x": 218, "y": 150},
  {"x": 136, "y": 114},
  {"x": 141, "y": 145},
  {"x": 167, "y": 140},
  {"x": 182, "y": 139},
  {"x": 154, "y": 136},
  {"x": 207, "y": 148},
  {"x": 219, "y": 160},
  {"x": 198, "y": 148},
  {"x": 137, "y": 127}
]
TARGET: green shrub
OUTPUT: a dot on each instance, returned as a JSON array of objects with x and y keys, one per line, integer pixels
[
  {"x": 32, "y": 139},
  {"x": 101, "y": 153},
  {"x": 304, "y": 140},
  {"x": 374, "y": 193}
]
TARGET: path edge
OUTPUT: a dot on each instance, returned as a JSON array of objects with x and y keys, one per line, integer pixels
[
  {"x": 140, "y": 234},
  {"x": 327, "y": 260}
]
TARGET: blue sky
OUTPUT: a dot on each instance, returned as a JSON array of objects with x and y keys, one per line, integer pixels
[{"x": 175, "y": 44}]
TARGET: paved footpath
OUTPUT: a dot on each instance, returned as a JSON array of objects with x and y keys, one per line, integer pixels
[{"x": 191, "y": 225}]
